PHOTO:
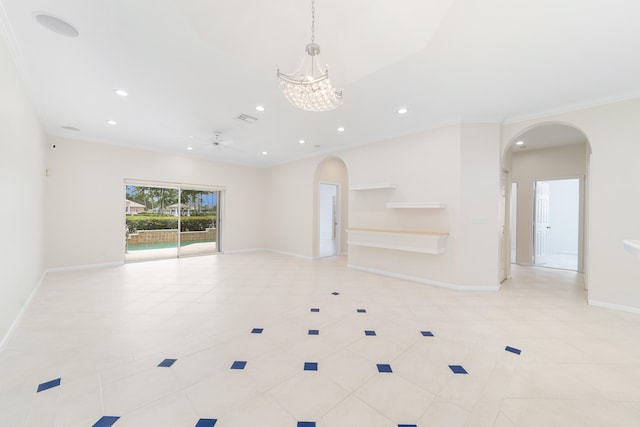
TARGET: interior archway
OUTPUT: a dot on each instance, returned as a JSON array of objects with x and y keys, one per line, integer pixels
[
  {"x": 332, "y": 171},
  {"x": 543, "y": 151}
]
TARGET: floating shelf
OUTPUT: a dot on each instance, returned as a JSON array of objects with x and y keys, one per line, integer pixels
[
  {"x": 416, "y": 205},
  {"x": 382, "y": 186},
  {"x": 632, "y": 246},
  {"x": 411, "y": 241}
]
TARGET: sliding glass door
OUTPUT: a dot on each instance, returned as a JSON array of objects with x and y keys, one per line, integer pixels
[
  {"x": 169, "y": 222},
  {"x": 198, "y": 215}
]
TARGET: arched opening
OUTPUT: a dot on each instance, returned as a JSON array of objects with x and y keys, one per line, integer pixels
[
  {"x": 330, "y": 211},
  {"x": 545, "y": 189}
]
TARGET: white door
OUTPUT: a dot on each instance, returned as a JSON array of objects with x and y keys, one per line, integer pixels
[
  {"x": 542, "y": 227},
  {"x": 328, "y": 220},
  {"x": 557, "y": 223}
]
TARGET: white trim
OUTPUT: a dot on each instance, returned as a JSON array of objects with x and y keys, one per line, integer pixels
[
  {"x": 173, "y": 185},
  {"x": 84, "y": 267},
  {"x": 242, "y": 251},
  {"x": 416, "y": 205},
  {"x": 617, "y": 307},
  {"x": 571, "y": 108},
  {"x": 427, "y": 281},
  {"x": 16, "y": 321},
  {"x": 310, "y": 258}
]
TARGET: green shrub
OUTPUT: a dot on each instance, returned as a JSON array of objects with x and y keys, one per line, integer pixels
[{"x": 168, "y": 222}]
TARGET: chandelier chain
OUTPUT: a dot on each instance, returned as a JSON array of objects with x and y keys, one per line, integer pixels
[{"x": 313, "y": 21}]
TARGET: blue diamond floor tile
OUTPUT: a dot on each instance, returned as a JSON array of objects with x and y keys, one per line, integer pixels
[
  {"x": 361, "y": 310},
  {"x": 426, "y": 333},
  {"x": 306, "y": 424},
  {"x": 206, "y": 422},
  {"x": 407, "y": 425},
  {"x": 106, "y": 422},
  {"x": 370, "y": 333},
  {"x": 513, "y": 350},
  {"x": 383, "y": 368},
  {"x": 310, "y": 366},
  {"x": 49, "y": 384},
  {"x": 257, "y": 330},
  {"x": 315, "y": 310},
  {"x": 166, "y": 363},
  {"x": 335, "y": 293},
  {"x": 457, "y": 369},
  {"x": 314, "y": 332},
  {"x": 239, "y": 364}
]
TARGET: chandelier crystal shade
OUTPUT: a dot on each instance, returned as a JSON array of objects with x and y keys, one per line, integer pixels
[{"x": 308, "y": 87}]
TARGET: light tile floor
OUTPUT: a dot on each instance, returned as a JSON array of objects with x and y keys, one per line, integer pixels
[{"x": 104, "y": 332}]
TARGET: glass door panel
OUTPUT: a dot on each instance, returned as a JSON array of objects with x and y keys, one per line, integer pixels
[
  {"x": 151, "y": 223},
  {"x": 198, "y": 222}
]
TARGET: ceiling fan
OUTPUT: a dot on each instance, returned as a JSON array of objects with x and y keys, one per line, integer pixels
[{"x": 218, "y": 143}]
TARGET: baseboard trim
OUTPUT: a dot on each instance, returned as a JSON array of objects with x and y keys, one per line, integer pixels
[
  {"x": 290, "y": 254},
  {"x": 483, "y": 288},
  {"x": 617, "y": 307},
  {"x": 244, "y": 251},
  {"x": 83, "y": 267},
  {"x": 18, "y": 318}
]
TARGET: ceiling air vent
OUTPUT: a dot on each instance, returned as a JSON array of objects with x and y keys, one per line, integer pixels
[{"x": 247, "y": 118}]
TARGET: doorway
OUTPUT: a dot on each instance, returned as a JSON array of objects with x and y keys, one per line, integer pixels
[
  {"x": 328, "y": 215},
  {"x": 513, "y": 220},
  {"x": 557, "y": 223}
]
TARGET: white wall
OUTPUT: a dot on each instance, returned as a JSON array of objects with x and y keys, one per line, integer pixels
[
  {"x": 528, "y": 166},
  {"x": 479, "y": 239},
  {"x": 425, "y": 167},
  {"x": 85, "y": 199},
  {"x": 613, "y": 132},
  {"x": 22, "y": 148},
  {"x": 291, "y": 208}
]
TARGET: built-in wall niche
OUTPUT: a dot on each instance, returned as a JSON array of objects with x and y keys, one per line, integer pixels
[
  {"x": 421, "y": 241},
  {"x": 426, "y": 242}
]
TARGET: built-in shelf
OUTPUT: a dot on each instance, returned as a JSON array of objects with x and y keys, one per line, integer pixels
[
  {"x": 381, "y": 186},
  {"x": 412, "y": 241},
  {"x": 632, "y": 246},
  {"x": 416, "y": 205}
]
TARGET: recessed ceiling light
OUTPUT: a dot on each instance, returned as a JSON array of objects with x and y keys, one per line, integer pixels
[
  {"x": 520, "y": 143},
  {"x": 122, "y": 92},
  {"x": 264, "y": 153},
  {"x": 56, "y": 25},
  {"x": 403, "y": 110},
  {"x": 259, "y": 108},
  {"x": 112, "y": 122},
  {"x": 189, "y": 148},
  {"x": 340, "y": 129},
  {"x": 301, "y": 141}
]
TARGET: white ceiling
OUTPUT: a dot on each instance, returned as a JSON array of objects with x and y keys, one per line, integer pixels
[{"x": 192, "y": 66}]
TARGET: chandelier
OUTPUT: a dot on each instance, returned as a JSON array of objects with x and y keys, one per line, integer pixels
[{"x": 308, "y": 87}]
